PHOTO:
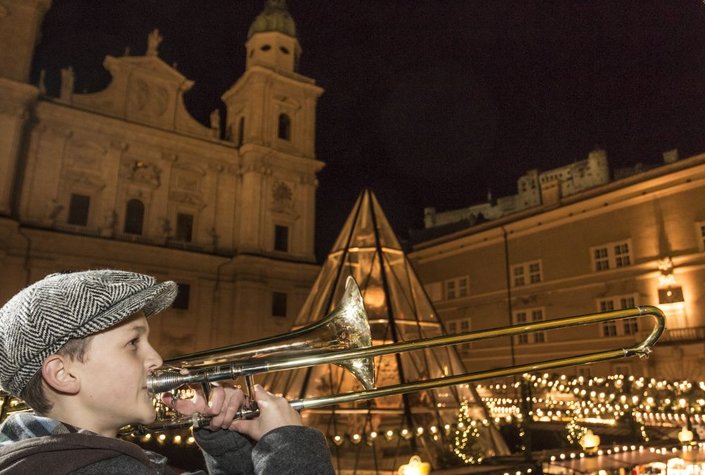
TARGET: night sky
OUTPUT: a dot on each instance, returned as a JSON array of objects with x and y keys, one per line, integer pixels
[{"x": 431, "y": 103}]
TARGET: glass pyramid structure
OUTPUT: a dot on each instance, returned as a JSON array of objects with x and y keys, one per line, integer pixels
[{"x": 378, "y": 435}]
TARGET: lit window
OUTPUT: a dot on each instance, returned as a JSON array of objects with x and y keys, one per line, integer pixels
[
  {"x": 535, "y": 272},
  {"x": 134, "y": 217},
  {"x": 279, "y": 304},
  {"x": 450, "y": 289},
  {"x": 533, "y": 315},
  {"x": 457, "y": 288},
  {"x": 281, "y": 238},
  {"x": 621, "y": 255},
  {"x": 611, "y": 256},
  {"x": 78, "y": 210},
  {"x": 601, "y": 259},
  {"x": 629, "y": 326},
  {"x": 519, "y": 276},
  {"x": 537, "y": 316},
  {"x": 526, "y": 273}
]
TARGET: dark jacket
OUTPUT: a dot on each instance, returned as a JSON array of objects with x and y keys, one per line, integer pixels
[{"x": 31, "y": 444}]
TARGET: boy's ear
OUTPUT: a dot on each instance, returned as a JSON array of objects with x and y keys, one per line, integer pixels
[{"x": 56, "y": 371}]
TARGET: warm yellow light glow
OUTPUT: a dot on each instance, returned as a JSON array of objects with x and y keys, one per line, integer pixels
[
  {"x": 415, "y": 467},
  {"x": 590, "y": 442},
  {"x": 685, "y": 436}
]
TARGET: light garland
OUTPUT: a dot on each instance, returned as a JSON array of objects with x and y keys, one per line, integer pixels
[{"x": 466, "y": 435}]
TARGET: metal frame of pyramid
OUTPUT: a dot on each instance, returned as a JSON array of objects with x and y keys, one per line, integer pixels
[{"x": 377, "y": 436}]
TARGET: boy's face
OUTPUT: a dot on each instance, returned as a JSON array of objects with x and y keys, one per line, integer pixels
[{"x": 113, "y": 390}]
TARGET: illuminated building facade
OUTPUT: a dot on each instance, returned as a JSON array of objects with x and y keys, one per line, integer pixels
[
  {"x": 635, "y": 240},
  {"x": 125, "y": 177}
]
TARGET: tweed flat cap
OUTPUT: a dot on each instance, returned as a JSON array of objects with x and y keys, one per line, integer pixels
[{"x": 40, "y": 319}]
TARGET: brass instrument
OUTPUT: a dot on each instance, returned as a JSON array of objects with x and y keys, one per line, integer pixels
[{"x": 351, "y": 348}]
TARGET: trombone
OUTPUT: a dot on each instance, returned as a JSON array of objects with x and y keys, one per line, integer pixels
[{"x": 343, "y": 338}]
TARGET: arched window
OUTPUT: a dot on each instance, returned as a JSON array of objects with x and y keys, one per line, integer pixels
[
  {"x": 134, "y": 217},
  {"x": 240, "y": 131},
  {"x": 284, "y": 127}
]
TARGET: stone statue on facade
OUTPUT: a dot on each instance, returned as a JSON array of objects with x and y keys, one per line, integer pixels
[
  {"x": 153, "y": 41},
  {"x": 54, "y": 208},
  {"x": 215, "y": 123},
  {"x": 67, "y": 83},
  {"x": 110, "y": 227}
]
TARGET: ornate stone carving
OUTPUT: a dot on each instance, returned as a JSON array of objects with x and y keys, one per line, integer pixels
[
  {"x": 186, "y": 182},
  {"x": 141, "y": 172},
  {"x": 282, "y": 196},
  {"x": 187, "y": 198},
  {"x": 138, "y": 95},
  {"x": 160, "y": 101},
  {"x": 86, "y": 156},
  {"x": 53, "y": 210},
  {"x": 84, "y": 178},
  {"x": 150, "y": 101},
  {"x": 283, "y": 199},
  {"x": 165, "y": 227}
]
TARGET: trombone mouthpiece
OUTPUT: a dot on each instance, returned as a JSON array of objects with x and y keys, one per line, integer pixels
[{"x": 166, "y": 381}]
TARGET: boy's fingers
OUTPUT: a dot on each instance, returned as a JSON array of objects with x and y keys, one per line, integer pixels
[{"x": 215, "y": 403}]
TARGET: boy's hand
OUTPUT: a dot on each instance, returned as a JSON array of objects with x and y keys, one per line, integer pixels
[
  {"x": 222, "y": 407},
  {"x": 274, "y": 412}
]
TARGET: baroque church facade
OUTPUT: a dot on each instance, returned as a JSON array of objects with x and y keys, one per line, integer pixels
[{"x": 127, "y": 178}]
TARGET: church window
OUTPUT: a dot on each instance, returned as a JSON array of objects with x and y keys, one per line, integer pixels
[
  {"x": 284, "y": 127},
  {"x": 184, "y": 227},
  {"x": 134, "y": 217},
  {"x": 281, "y": 238},
  {"x": 240, "y": 131},
  {"x": 78, "y": 209},
  {"x": 182, "y": 296},
  {"x": 279, "y": 304}
]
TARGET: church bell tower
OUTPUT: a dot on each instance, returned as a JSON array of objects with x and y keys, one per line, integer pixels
[{"x": 271, "y": 119}]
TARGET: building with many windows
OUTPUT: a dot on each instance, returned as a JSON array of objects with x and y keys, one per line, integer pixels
[
  {"x": 126, "y": 178},
  {"x": 635, "y": 240}
]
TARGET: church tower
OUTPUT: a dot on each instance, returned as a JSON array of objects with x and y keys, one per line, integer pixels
[
  {"x": 271, "y": 113},
  {"x": 20, "y": 24}
]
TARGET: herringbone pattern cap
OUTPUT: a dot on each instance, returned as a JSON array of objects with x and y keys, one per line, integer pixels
[{"x": 40, "y": 319}]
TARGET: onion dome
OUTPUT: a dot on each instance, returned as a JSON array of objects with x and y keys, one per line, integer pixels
[{"x": 274, "y": 17}]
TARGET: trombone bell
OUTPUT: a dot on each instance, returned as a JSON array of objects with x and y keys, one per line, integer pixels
[{"x": 345, "y": 328}]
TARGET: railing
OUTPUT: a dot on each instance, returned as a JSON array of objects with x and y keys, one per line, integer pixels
[{"x": 682, "y": 335}]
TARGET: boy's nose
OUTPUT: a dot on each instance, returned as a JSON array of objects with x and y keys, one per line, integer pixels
[{"x": 154, "y": 360}]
